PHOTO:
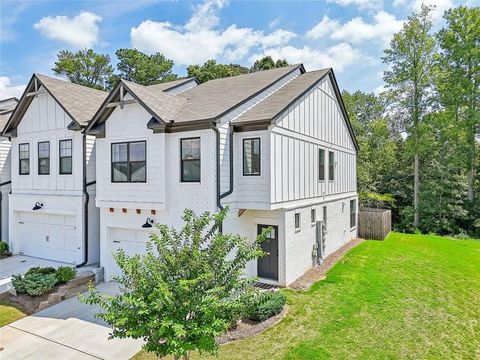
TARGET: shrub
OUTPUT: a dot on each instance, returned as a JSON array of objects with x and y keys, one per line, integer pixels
[
  {"x": 3, "y": 247},
  {"x": 18, "y": 283},
  {"x": 39, "y": 284},
  {"x": 65, "y": 273},
  {"x": 40, "y": 270},
  {"x": 265, "y": 305}
]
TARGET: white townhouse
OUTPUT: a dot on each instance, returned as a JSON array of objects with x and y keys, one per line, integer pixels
[
  {"x": 7, "y": 106},
  {"x": 275, "y": 146},
  {"x": 52, "y": 212}
]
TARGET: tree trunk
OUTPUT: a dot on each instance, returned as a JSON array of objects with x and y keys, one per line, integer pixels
[
  {"x": 416, "y": 217},
  {"x": 471, "y": 162}
]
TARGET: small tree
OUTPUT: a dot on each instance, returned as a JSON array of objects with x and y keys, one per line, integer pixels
[{"x": 188, "y": 288}]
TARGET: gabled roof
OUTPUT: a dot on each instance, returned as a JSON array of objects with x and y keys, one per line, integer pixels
[
  {"x": 214, "y": 98},
  {"x": 79, "y": 102},
  {"x": 270, "y": 108},
  {"x": 172, "y": 84},
  {"x": 7, "y": 106}
]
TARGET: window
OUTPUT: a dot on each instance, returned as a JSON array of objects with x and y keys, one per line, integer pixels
[
  {"x": 251, "y": 157},
  {"x": 331, "y": 165},
  {"x": 313, "y": 216},
  {"x": 297, "y": 221},
  {"x": 190, "y": 160},
  {"x": 325, "y": 217},
  {"x": 24, "y": 159},
  {"x": 129, "y": 162},
  {"x": 321, "y": 164},
  {"x": 65, "y": 153},
  {"x": 44, "y": 158},
  {"x": 353, "y": 213}
]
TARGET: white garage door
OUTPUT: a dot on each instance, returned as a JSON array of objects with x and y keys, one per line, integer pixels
[
  {"x": 131, "y": 241},
  {"x": 47, "y": 236}
]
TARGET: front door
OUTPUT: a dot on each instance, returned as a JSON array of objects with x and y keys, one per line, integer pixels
[{"x": 267, "y": 266}]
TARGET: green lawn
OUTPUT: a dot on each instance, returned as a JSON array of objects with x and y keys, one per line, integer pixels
[
  {"x": 408, "y": 297},
  {"x": 9, "y": 314}
]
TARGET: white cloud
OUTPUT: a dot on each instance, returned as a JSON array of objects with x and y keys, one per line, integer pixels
[
  {"x": 356, "y": 30},
  {"x": 80, "y": 31},
  {"x": 274, "y": 23},
  {"x": 338, "y": 56},
  {"x": 200, "y": 39},
  {"x": 8, "y": 91},
  {"x": 362, "y": 4}
]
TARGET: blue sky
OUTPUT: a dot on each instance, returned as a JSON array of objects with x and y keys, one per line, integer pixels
[{"x": 348, "y": 35}]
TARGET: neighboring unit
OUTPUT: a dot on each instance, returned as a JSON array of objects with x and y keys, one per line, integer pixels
[
  {"x": 7, "y": 106},
  {"x": 52, "y": 213},
  {"x": 275, "y": 146}
]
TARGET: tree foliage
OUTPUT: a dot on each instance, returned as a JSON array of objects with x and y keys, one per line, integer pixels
[
  {"x": 211, "y": 70},
  {"x": 188, "y": 288},
  {"x": 134, "y": 65},
  {"x": 267, "y": 63},
  {"x": 84, "y": 67}
]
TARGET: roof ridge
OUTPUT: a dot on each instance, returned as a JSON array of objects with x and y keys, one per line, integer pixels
[{"x": 68, "y": 82}]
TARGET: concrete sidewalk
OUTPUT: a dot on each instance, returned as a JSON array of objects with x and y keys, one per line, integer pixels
[{"x": 67, "y": 330}]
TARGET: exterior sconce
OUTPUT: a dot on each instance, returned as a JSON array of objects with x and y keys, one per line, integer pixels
[
  {"x": 38, "y": 206},
  {"x": 148, "y": 223}
]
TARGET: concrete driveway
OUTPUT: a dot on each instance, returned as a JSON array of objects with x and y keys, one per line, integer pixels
[{"x": 64, "y": 331}]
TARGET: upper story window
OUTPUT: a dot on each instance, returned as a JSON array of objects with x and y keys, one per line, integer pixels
[
  {"x": 353, "y": 213},
  {"x": 24, "y": 159},
  {"x": 190, "y": 160},
  {"x": 331, "y": 165},
  {"x": 65, "y": 155},
  {"x": 44, "y": 158},
  {"x": 321, "y": 164},
  {"x": 251, "y": 156},
  {"x": 129, "y": 162}
]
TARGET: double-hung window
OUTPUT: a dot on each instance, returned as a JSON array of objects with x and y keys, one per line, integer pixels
[
  {"x": 44, "y": 158},
  {"x": 251, "y": 157},
  {"x": 129, "y": 162},
  {"x": 331, "y": 165},
  {"x": 24, "y": 159},
  {"x": 353, "y": 213},
  {"x": 65, "y": 155},
  {"x": 321, "y": 164},
  {"x": 190, "y": 160}
]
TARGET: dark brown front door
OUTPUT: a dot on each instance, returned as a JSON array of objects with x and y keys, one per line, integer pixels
[{"x": 268, "y": 265}]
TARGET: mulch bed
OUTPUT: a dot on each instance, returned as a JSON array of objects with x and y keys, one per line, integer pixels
[
  {"x": 318, "y": 272},
  {"x": 247, "y": 328}
]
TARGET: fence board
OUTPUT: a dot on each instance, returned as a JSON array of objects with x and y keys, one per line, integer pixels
[{"x": 374, "y": 224}]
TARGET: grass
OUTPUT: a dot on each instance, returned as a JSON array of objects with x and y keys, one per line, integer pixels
[
  {"x": 9, "y": 314},
  {"x": 408, "y": 297}
]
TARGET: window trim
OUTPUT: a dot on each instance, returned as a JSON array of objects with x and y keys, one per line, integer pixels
[
  {"x": 38, "y": 157},
  {"x": 182, "y": 160},
  {"x": 60, "y": 172},
  {"x": 20, "y": 159},
  {"x": 297, "y": 229},
  {"x": 324, "y": 164},
  {"x": 259, "y": 156},
  {"x": 129, "y": 175},
  {"x": 354, "y": 201},
  {"x": 332, "y": 165}
]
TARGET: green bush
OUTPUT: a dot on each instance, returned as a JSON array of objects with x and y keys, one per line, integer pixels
[
  {"x": 3, "y": 247},
  {"x": 39, "y": 284},
  {"x": 40, "y": 270},
  {"x": 18, "y": 283},
  {"x": 265, "y": 305},
  {"x": 65, "y": 273}
]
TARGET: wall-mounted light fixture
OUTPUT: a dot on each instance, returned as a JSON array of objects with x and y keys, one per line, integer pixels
[
  {"x": 148, "y": 223},
  {"x": 38, "y": 206}
]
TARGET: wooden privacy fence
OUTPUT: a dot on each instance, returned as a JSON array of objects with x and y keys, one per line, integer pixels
[{"x": 374, "y": 224}]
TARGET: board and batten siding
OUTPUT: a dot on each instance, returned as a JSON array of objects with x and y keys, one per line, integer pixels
[
  {"x": 313, "y": 122},
  {"x": 45, "y": 120},
  {"x": 5, "y": 176}
]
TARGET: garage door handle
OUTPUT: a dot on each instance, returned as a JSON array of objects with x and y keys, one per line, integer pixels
[{"x": 116, "y": 241}]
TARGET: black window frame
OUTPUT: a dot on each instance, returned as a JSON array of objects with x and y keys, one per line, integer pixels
[
  {"x": 41, "y": 158},
  {"x": 182, "y": 160},
  {"x": 325, "y": 216},
  {"x": 20, "y": 159},
  {"x": 321, "y": 166},
  {"x": 129, "y": 174},
  {"x": 297, "y": 219},
  {"x": 259, "y": 156},
  {"x": 60, "y": 157},
  {"x": 353, "y": 213},
  {"x": 313, "y": 216},
  {"x": 331, "y": 165}
]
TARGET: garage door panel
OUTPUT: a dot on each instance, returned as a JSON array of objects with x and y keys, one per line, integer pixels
[{"x": 56, "y": 220}]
